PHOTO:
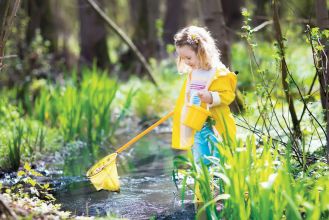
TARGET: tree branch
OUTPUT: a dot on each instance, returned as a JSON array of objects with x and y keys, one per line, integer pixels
[
  {"x": 7, "y": 14},
  {"x": 125, "y": 38},
  {"x": 284, "y": 69}
]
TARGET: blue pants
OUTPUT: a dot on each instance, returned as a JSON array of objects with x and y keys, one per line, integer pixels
[
  {"x": 205, "y": 144},
  {"x": 205, "y": 140}
]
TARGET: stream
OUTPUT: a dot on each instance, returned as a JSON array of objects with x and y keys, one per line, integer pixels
[{"x": 147, "y": 188}]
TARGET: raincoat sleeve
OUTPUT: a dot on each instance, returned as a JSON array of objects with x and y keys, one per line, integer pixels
[{"x": 223, "y": 91}]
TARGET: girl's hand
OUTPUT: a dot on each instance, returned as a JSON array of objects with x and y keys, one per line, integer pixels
[{"x": 205, "y": 96}]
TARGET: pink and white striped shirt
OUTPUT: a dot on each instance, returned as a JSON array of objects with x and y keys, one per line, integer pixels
[{"x": 198, "y": 81}]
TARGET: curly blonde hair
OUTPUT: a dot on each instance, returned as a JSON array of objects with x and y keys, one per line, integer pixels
[{"x": 202, "y": 43}]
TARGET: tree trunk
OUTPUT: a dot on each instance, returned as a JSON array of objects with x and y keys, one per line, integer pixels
[
  {"x": 232, "y": 13},
  {"x": 260, "y": 12},
  {"x": 125, "y": 38},
  {"x": 143, "y": 17},
  {"x": 93, "y": 37},
  {"x": 323, "y": 23},
  {"x": 213, "y": 17},
  {"x": 284, "y": 71},
  {"x": 43, "y": 15},
  {"x": 8, "y": 9},
  {"x": 175, "y": 19},
  {"x": 322, "y": 19},
  {"x": 145, "y": 13}
]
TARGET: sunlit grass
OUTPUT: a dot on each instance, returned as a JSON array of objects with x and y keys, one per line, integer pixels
[
  {"x": 78, "y": 108},
  {"x": 15, "y": 145},
  {"x": 258, "y": 184},
  {"x": 82, "y": 110}
]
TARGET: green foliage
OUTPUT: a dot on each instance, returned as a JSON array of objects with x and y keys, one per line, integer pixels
[
  {"x": 150, "y": 101},
  {"x": 159, "y": 28},
  {"x": 170, "y": 48},
  {"x": 146, "y": 104},
  {"x": 29, "y": 177},
  {"x": 31, "y": 199},
  {"x": 268, "y": 111},
  {"x": 15, "y": 146},
  {"x": 21, "y": 138},
  {"x": 203, "y": 182},
  {"x": 81, "y": 110},
  {"x": 77, "y": 109},
  {"x": 247, "y": 34},
  {"x": 258, "y": 184}
]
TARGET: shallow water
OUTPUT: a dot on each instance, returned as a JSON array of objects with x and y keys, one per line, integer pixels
[{"x": 147, "y": 189}]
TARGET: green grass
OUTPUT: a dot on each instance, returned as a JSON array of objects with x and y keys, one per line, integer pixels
[
  {"x": 22, "y": 138},
  {"x": 81, "y": 110},
  {"x": 15, "y": 146},
  {"x": 77, "y": 109},
  {"x": 258, "y": 183}
]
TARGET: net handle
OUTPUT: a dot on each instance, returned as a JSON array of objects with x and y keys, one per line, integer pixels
[
  {"x": 142, "y": 134},
  {"x": 92, "y": 172}
]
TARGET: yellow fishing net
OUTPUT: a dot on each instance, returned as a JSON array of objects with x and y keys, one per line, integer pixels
[{"x": 104, "y": 174}]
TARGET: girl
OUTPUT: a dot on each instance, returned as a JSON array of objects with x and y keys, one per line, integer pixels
[{"x": 210, "y": 85}]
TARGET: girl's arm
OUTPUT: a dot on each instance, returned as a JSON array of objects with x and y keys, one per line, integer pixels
[
  {"x": 223, "y": 90},
  {"x": 224, "y": 97}
]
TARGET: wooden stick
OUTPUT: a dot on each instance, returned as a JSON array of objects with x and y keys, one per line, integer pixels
[{"x": 125, "y": 38}]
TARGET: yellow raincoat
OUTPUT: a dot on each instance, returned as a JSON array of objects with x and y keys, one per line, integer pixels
[{"x": 223, "y": 82}]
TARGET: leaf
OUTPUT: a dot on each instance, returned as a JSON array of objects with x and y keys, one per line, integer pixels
[
  {"x": 31, "y": 181},
  {"x": 35, "y": 173},
  {"x": 21, "y": 173},
  {"x": 319, "y": 47},
  {"x": 326, "y": 33},
  {"x": 223, "y": 177},
  {"x": 315, "y": 31},
  {"x": 50, "y": 197},
  {"x": 27, "y": 166},
  {"x": 46, "y": 186},
  {"x": 245, "y": 12}
]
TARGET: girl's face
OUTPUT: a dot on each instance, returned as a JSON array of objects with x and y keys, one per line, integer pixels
[{"x": 188, "y": 56}]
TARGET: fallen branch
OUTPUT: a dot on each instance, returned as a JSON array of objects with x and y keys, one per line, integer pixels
[
  {"x": 125, "y": 38},
  {"x": 8, "y": 57},
  {"x": 262, "y": 25},
  {"x": 6, "y": 210}
]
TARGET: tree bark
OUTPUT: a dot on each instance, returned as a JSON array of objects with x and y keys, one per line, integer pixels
[
  {"x": 232, "y": 13},
  {"x": 125, "y": 38},
  {"x": 43, "y": 15},
  {"x": 259, "y": 11},
  {"x": 322, "y": 20},
  {"x": 175, "y": 19},
  {"x": 8, "y": 9},
  {"x": 143, "y": 17},
  {"x": 144, "y": 14},
  {"x": 93, "y": 37},
  {"x": 213, "y": 17}
]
